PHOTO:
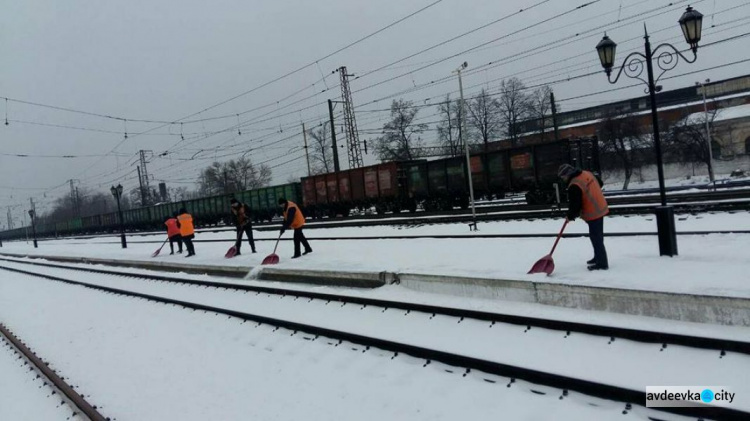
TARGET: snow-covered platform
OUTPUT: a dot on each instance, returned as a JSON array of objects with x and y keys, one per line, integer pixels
[{"x": 708, "y": 282}]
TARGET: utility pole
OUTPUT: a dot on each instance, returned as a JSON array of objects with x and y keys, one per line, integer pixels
[
  {"x": 307, "y": 151},
  {"x": 333, "y": 138},
  {"x": 554, "y": 114},
  {"x": 708, "y": 132},
  {"x": 465, "y": 140},
  {"x": 350, "y": 123},
  {"x": 143, "y": 176},
  {"x": 74, "y": 198},
  {"x": 10, "y": 219},
  {"x": 140, "y": 183}
]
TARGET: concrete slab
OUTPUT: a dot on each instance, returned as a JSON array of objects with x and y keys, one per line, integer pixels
[{"x": 683, "y": 307}]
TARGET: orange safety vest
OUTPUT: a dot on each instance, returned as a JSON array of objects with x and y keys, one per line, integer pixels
[
  {"x": 172, "y": 228},
  {"x": 594, "y": 205},
  {"x": 186, "y": 224},
  {"x": 299, "y": 219}
]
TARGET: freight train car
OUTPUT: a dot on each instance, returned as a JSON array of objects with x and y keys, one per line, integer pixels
[
  {"x": 441, "y": 184},
  {"x": 206, "y": 211},
  {"x": 338, "y": 193}
]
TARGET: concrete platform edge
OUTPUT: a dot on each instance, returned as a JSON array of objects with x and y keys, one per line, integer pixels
[{"x": 665, "y": 305}]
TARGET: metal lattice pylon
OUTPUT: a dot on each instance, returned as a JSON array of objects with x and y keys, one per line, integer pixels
[
  {"x": 350, "y": 123},
  {"x": 145, "y": 188}
]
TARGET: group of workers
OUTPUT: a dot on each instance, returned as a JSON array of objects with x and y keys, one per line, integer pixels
[
  {"x": 585, "y": 198},
  {"x": 180, "y": 227}
]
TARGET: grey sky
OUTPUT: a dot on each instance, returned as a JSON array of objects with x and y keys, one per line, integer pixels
[{"x": 165, "y": 60}]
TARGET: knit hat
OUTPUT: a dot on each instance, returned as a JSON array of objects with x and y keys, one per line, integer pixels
[
  {"x": 282, "y": 201},
  {"x": 566, "y": 170}
]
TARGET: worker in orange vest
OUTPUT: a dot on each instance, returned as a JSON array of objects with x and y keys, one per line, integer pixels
[
  {"x": 187, "y": 231},
  {"x": 294, "y": 219},
  {"x": 173, "y": 233},
  {"x": 586, "y": 199}
]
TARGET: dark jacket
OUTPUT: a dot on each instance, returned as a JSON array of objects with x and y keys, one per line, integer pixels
[
  {"x": 241, "y": 216},
  {"x": 575, "y": 197}
]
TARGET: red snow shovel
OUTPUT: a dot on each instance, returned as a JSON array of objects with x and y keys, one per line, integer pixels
[
  {"x": 272, "y": 258},
  {"x": 156, "y": 253},
  {"x": 546, "y": 264},
  {"x": 231, "y": 252}
]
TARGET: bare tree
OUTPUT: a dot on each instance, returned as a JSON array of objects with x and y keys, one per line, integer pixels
[
  {"x": 540, "y": 105},
  {"x": 233, "y": 176},
  {"x": 622, "y": 138},
  {"x": 484, "y": 118},
  {"x": 243, "y": 175},
  {"x": 449, "y": 130},
  {"x": 688, "y": 140},
  {"x": 514, "y": 106},
  {"x": 178, "y": 194},
  {"x": 401, "y": 137},
  {"x": 321, "y": 153}
]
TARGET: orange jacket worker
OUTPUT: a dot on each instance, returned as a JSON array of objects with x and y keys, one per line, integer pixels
[
  {"x": 294, "y": 219},
  {"x": 187, "y": 231},
  {"x": 173, "y": 233},
  {"x": 587, "y": 200}
]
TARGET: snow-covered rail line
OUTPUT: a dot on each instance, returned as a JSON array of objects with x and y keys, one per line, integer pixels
[
  {"x": 664, "y": 339},
  {"x": 363, "y": 341},
  {"x": 56, "y": 382}
]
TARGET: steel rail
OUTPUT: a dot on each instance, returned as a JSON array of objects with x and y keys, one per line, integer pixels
[
  {"x": 722, "y": 346},
  {"x": 86, "y": 408},
  {"x": 565, "y": 383}
]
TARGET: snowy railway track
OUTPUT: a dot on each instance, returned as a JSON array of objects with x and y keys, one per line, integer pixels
[
  {"x": 462, "y": 363},
  {"x": 56, "y": 382},
  {"x": 722, "y": 346}
]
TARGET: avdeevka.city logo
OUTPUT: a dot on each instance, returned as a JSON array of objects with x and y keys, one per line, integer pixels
[{"x": 688, "y": 396}]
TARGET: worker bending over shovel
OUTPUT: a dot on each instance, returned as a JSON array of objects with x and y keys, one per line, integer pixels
[{"x": 585, "y": 199}]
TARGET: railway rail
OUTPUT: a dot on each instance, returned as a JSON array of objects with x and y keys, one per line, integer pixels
[
  {"x": 56, "y": 381},
  {"x": 565, "y": 384}
]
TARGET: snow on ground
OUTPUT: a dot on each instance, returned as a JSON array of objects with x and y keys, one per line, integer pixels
[
  {"x": 715, "y": 264},
  {"x": 139, "y": 360},
  {"x": 404, "y": 294},
  {"x": 697, "y": 181},
  {"x": 22, "y": 395},
  {"x": 624, "y": 363}
]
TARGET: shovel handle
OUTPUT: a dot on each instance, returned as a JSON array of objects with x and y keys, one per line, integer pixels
[
  {"x": 277, "y": 244},
  {"x": 557, "y": 240}
]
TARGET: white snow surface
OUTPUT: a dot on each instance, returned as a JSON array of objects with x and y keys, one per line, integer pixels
[
  {"x": 23, "y": 397},
  {"x": 625, "y": 363},
  {"x": 139, "y": 360},
  {"x": 713, "y": 264},
  {"x": 722, "y": 114}
]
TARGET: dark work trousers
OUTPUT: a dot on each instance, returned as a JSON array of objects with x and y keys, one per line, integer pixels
[
  {"x": 299, "y": 238},
  {"x": 189, "y": 244},
  {"x": 242, "y": 230},
  {"x": 596, "y": 235},
  {"x": 175, "y": 239}
]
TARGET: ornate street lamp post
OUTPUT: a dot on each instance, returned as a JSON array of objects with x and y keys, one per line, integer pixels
[
  {"x": 117, "y": 193},
  {"x": 691, "y": 23},
  {"x": 32, "y": 215}
]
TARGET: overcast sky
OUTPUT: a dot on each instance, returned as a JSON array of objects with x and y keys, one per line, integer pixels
[{"x": 167, "y": 60}]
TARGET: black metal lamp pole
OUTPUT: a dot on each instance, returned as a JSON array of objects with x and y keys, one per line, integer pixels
[
  {"x": 32, "y": 214},
  {"x": 691, "y": 23},
  {"x": 117, "y": 193}
]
